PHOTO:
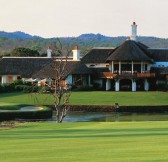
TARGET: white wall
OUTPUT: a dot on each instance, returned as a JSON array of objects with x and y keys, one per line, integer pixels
[{"x": 5, "y": 78}]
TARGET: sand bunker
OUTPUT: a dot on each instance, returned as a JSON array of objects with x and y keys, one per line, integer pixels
[{"x": 30, "y": 108}]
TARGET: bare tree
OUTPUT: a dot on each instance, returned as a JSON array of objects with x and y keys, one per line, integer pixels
[
  {"x": 59, "y": 90},
  {"x": 62, "y": 91}
]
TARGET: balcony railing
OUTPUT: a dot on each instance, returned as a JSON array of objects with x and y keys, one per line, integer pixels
[
  {"x": 145, "y": 75},
  {"x": 110, "y": 75}
]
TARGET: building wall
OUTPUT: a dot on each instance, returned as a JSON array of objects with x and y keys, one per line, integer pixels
[
  {"x": 161, "y": 64},
  {"x": 8, "y": 78}
]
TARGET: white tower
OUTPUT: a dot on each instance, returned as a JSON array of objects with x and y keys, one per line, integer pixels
[
  {"x": 134, "y": 32},
  {"x": 76, "y": 53},
  {"x": 49, "y": 51}
]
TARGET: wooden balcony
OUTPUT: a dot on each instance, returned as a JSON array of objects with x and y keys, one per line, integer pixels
[
  {"x": 110, "y": 75},
  {"x": 145, "y": 75}
]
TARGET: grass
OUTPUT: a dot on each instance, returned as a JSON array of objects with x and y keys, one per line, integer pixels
[
  {"x": 92, "y": 98},
  {"x": 91, "y": 142}
]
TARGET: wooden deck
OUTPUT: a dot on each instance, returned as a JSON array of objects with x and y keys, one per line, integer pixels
[{"x": 110, "y": 75}]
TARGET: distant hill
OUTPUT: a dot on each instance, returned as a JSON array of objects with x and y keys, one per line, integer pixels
[
  {"x": 17, "y": 35},
  {"x": 11, "y": 40}
]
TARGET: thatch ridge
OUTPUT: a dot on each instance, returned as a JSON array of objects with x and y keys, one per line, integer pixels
[{"x": 130, "y": 51}]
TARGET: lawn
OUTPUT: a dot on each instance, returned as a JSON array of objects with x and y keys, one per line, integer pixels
[
  {"x": 89, "y": 141},
  {"x": 91, "y": 98}
]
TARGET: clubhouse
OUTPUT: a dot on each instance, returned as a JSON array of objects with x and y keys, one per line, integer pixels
[{"x": 132, "y": 66}]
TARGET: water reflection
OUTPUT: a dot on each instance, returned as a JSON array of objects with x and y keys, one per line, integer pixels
[{"x": 113, "y": 117}]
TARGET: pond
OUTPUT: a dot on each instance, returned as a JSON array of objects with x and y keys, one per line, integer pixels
[{"x": 113, "y": 117}]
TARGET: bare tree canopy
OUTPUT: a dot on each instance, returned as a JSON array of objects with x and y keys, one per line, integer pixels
[{"x": 58, "y": 88}]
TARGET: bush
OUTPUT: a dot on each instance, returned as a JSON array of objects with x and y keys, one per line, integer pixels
[
  {"x": 17, "y": 82},
  {"x": 2, "y": 89},
  {"x": 19, "y": 88},
  {"x": 8, "y": 87},
  {"x": 26, "y": 88}
]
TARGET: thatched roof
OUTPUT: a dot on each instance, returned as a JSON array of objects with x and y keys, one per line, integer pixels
[
  {"x": 23, "y": 66},
  {"x": 71, "y": 67},
  {"x": 130, "y": 51},
  {"x": 160, "y": 70},
  {"x": 159, "y": 54},
  {"x": 97, "y": 55}
]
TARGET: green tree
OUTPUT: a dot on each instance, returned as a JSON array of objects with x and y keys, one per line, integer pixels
[{"x": 24, "y": 52}]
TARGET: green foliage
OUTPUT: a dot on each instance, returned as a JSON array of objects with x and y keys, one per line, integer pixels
[
  {"x": 36, "y": 48},
  {"x": 25, "y": 52},
  {"x": 18, "y": 86},
  {"x": 85, "y": 43},
  {"x": 2, "y": 89},
  {"x": 18, "y": 82},
  {"x": 8, "y": 87}
]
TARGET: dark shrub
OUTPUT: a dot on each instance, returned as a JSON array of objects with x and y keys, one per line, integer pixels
[
  {"x": 19, "y": 88},
  {"x": 17, "y": 82},
  {"x": 27, "y": 89},
  {"x": 2, "y": 89},
  {"x": 9, "y": 87}
]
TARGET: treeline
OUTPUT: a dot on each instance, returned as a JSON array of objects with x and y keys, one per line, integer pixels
[{"x": 84, "y": 41}]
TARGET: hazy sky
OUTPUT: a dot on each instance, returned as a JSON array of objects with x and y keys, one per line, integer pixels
[{"x": 53, "y": 18}]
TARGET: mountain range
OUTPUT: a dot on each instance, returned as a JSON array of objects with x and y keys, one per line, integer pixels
[{"x": 11, "y": 40}]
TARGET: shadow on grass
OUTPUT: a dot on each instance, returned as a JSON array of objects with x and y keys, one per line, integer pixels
[{"x": 84, "y": 133}]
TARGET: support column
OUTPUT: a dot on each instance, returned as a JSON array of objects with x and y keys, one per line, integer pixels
[
  {"x": 112, "y": 67},
  {"x": 132, "y": 70},
  {"x": 117, "y": 85},
  {"x": 108, "y": 84},
  {"x": 133, "y": 85},
  {"x": 142, "y": 67},
  {"x": 119, "y": 67},
  {"x": 146, "y": 85}
]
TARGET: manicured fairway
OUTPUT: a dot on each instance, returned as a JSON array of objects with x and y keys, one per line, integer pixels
[
  {"x": 87, "y": 142},
  {"x": 92, "y": 98}
]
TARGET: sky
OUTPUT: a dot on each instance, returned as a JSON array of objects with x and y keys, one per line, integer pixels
[{"x": 59, "y": 18}]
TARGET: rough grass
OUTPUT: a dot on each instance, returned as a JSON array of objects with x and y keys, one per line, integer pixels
[
  {"x": 94, "y": 142},
  {"x": 91, "y": 98}
]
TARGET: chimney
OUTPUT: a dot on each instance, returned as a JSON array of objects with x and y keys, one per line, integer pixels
[
  {"x": 134, "y": 32},
  {"x": 76, "y": 53},
  {"x": 49, "y": 51}
]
